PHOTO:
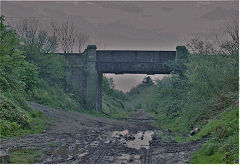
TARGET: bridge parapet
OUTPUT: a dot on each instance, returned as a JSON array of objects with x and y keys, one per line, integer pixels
[
  {"x": 134, "y": 56},
  {"x": 138, "y": 62}
]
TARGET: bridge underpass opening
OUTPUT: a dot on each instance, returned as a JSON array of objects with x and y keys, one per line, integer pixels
[{"x": 125, "y": 82}]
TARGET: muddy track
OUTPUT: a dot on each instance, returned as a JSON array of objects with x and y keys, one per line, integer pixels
[{"x": 79, "y": 138}]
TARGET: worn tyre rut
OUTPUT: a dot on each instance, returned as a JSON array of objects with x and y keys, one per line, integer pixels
[{"x": 79, "y": 138}]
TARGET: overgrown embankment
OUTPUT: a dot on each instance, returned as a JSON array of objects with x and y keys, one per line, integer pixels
[
  {"x": 223, "y": 146},
  {"x": 31, "y": 71},
  {"x": 114, "y": 101},
  {"x": 202, "y": 93},
  {"x": 17, "y": 78}
]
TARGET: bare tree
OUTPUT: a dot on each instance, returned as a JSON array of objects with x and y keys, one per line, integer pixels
[
  {"x": 65, "y": 34},
  {"x": 28, "y": 29},
  {"x": 199, "y": 46},
  {"x": 232, "y": 30},
  {"x": 34, "y": 35},
  {"x": 226, "y": 42},
  {"x": 81, "y": 39}
]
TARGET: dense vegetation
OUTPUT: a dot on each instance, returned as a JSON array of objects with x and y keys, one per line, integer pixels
[
  {"x": 31, "y": 71},
  {"x": 38, "y": 48},
  {"x": 18, "y": 77},
  {"x": 201, "y": 93},
  {"x": 114, "y": 101},
  {"x": 140, "y": 96}
]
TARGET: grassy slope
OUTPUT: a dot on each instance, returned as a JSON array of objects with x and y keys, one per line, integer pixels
[
  {"x": 25, "y": 156},
  {"x": 55, "y": 96},
  {"x": 15, "y": 111},
  {"x": 141, "y": 99},
  {"x": 115, "y": 107},
  {"x": 223, "y": 146},
  {"x": 17, "y": 118},
  {"x": 223, "y": 128}
]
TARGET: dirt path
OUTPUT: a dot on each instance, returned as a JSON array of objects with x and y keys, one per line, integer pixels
[{"x": 79, "y": 138}]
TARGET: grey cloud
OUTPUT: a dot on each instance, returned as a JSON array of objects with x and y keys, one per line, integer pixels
[
  {"x": 123, "y": 6},
  {"x": 55, "y": 13},
  {"x": 146, "y": 15},
  {"x": 15, "y": 9},
  {"x": 204, "y": 3},
  {"x": 219, "y": 13},
  {"x": 119, "y": 30},
  {"x": 142, "y": 24},
  {"x": 167, "y": 9},
  {"x": 83, "y": 23}
]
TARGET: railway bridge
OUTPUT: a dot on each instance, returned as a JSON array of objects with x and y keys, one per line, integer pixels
[{"x": 85, "y": 70}]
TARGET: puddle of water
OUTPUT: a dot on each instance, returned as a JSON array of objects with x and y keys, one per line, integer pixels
[
  {"x": 136, "y": 159},
  {"x": 123, "y": 159},
  {"x": 141, "y": 140},
  {"x": 119, "y": 133},
  {"x": 83, "y": 154},
  {"x": 137, "y": 141}
]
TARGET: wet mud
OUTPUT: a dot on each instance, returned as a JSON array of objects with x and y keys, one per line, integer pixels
[{"x": 79, "y": 138}]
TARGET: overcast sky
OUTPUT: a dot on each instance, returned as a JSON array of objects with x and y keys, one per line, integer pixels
[{"x": 131, "y": 25}]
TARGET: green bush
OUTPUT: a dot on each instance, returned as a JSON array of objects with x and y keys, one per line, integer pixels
[
  {"x": 16, "y": 74},
  {"x": 113, "y": 100},
  {"x": 202, "y": 91},
  {"x": 18, "y": 77},
  {"x": 17, "y": 118},
  {"x": 55, "y": 96}
]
